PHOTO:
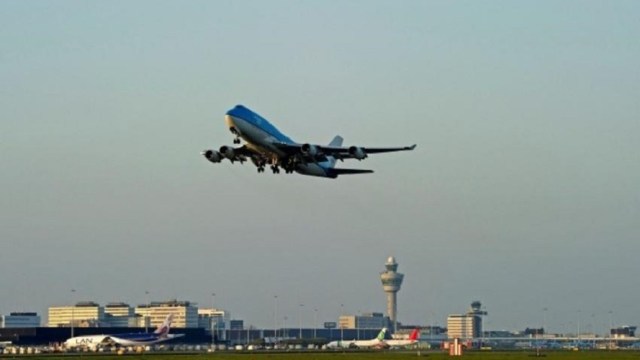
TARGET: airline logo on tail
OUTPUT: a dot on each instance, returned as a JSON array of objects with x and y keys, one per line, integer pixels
[
  {"x": 163, "y": 330},
  {"x": 381, "y": 334}
]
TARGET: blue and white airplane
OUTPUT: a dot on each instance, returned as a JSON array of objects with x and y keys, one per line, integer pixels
[
  {"x": 132, "y": 339},
  {"x": 266, "y": 145}
]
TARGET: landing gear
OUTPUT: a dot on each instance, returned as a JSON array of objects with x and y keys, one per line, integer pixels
[
  {"x": 235, "y": 132},
  {"x": 289, "y": 164},
  {"x": 275, "y": 165}
]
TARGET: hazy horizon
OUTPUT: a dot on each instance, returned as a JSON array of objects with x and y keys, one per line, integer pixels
[{"x": 522, "y": 192}]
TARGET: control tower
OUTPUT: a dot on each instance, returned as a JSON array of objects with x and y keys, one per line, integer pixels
[{"x": 391, "y": 282}]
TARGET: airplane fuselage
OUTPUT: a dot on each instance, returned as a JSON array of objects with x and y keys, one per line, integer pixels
[
  {"x": 261, "y": 136},
  {"x": 131, "y": 339}
]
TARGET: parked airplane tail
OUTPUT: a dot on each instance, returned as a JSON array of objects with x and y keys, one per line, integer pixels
[
  {"x": 381, "y": 334},
  {"x": 414, "y": 334},
  {"x": 163, "y": 329}
]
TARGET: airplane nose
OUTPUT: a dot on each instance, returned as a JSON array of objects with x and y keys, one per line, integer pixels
[{"x": 228, "y": 120}]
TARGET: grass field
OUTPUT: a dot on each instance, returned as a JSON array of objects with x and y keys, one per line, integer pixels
[{"x": 552, "y": 355}]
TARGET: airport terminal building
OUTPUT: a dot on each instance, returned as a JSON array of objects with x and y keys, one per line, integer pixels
[
  {"x": 185, "y": 313},
  {"x": 82, "y": 314},
  {"x": 20, "y": 320},
  {"x": 372, "y": 320}
]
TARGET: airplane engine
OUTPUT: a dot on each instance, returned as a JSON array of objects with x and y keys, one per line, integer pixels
[
  {"x": 357, "y": 152},
  {"x": 309, "y": 150},
  {"x": 227, "y": 151},
  {"x": 213, "y": 156}
]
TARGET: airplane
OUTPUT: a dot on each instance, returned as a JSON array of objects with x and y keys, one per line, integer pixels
[
  {"x": 266, "y": 145},
  {"x": 378, "y": 342},
  {"x": 131, "y": 339},
  {"x": 413, "y": 339}
]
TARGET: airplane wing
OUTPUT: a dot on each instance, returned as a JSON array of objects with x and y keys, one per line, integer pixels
[
  {"x": 233, "y": 154},
  {"x": 133, "y": 339},
  {"x": 141, "y": 339},
  {"x": 319, "y": 152}
]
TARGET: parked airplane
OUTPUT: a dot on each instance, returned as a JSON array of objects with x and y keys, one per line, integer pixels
[
  {"x": 266, "y": 145},
  {"x": 131, "y": 339},
  {"x": 413, "y": 339},
  {"x": 378, "y": 342}
]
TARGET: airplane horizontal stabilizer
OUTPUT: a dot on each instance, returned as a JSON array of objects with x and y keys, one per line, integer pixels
[{"x": 349, "y": 171}]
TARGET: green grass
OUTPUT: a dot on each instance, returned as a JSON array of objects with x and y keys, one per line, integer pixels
[{"x": 495, "y": 355}]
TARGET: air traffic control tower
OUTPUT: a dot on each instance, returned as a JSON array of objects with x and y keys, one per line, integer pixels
[{"x": 391, "y": 281}]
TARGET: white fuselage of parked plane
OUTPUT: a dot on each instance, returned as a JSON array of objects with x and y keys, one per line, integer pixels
[
  {"x": 93, "y": 341},
  {"x": 360, "y": 344}
]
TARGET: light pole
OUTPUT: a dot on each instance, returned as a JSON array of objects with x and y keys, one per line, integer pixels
[
  {"x": 578, "y": 327},
  {"x": 357, "y": 325},
  {"x": 73, "y": 310},
  {"x": 284, "y": 327},
  {"x": 315, "y": 323},
  {"x": 146, "y": 314},
  {"x": 544, "y": 320},
  {"x": 275, "y": 318},
  {"x": 300, "y": 319},
  {"x": 610, "y": 329},
  {"x": 214, "y": 324},
  {"x": 340, "y": 322}
]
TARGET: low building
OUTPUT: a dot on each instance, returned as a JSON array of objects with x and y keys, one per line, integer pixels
[
  {"x": 118, "y": 309},
  {"x": 461, "y": 326},
  {"x": 119, "y": 314},
  {"x": 372, "y": 320},
  {"x": 185, "y": 313},
  {"x": 82, "y": 314},
  {"x": 217, "y": 319},
  {"x": 466, "y": 326},
  {"x": 623, "y": 332},
  {"x": 236, "y": 325},
  {"x": 20, "y": 320}
]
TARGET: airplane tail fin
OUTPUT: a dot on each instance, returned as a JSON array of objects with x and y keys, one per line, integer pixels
[
  {"x": 381, "y": 334},
  {"x": 336, "y": 142},
  {"x": 414, "y": 334},
  {"x": 163, "y": 330}
]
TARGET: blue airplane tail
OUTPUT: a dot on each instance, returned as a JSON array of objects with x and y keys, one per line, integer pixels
[
  {"x": 332, "y": 171},
  {"x": 336, "y": 142}
]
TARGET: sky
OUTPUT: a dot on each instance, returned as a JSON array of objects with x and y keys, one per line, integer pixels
[{"x": 522, "y": 192}]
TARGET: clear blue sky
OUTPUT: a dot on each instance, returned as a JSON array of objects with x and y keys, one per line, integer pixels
[{"x": 522, "y": 193}]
